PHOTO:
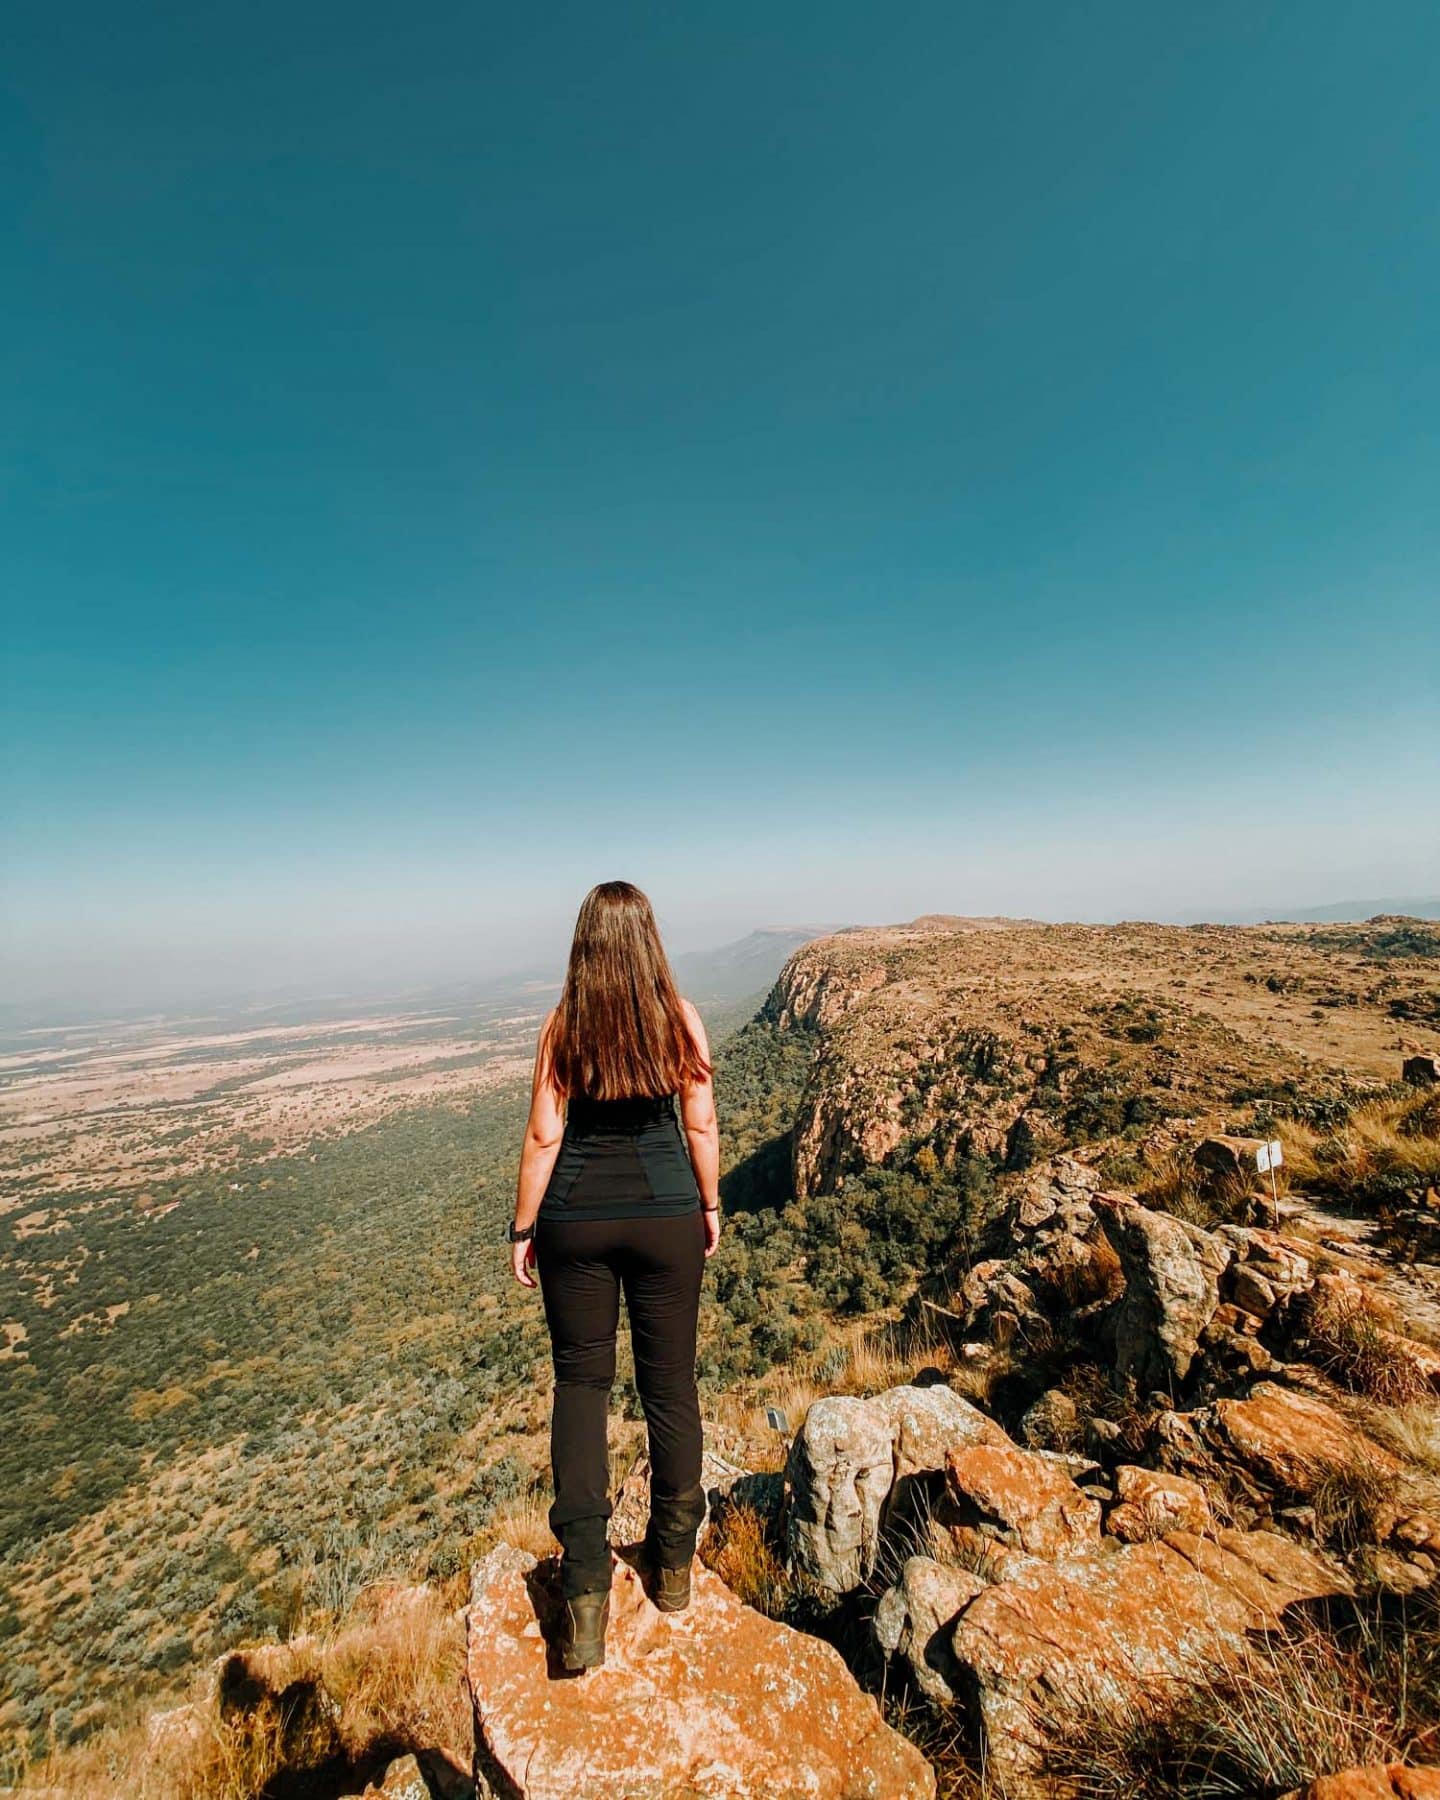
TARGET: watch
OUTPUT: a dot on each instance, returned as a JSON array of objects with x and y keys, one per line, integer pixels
[{"x": 516, "y": 1236}]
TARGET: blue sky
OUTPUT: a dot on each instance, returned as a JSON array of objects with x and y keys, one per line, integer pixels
[{"x": 820, "y": 462}]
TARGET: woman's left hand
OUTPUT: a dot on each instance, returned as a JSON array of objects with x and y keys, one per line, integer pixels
[{"x": 522, "y": 1262}]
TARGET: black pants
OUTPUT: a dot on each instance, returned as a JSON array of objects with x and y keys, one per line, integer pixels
[{"x": 582, "y": 1265}]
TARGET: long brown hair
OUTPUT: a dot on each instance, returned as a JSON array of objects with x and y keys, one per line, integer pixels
[{"x": 620, "y": 1030}]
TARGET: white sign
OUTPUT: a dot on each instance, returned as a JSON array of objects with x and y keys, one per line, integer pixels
[
  {"x": 776, "y": 1419},
  {"x": 1270, "y": 1156}
]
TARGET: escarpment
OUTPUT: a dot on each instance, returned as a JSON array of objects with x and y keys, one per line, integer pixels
[{"x": 1011, "y": 1040}]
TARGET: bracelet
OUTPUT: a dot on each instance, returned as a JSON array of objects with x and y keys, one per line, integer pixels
[
  {"x": 705, "y": 1208},
  {"x": 518, "y": 1237}
]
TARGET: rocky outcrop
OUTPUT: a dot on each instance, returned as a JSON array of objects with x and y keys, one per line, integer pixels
[
  {"x": 1262, "y": 1257},
  {"x": 851, "y": 1457},
  {"x": 714, "y": 1703},
  {"x": 1421, "y": 1071},
  {"x": 1280, "y": 1449},
  {"x": 1046, "y": 1255},
  {"x": 1008, "y": 1040},
  {"x": 1172, "y": 1273},
  {"x": 1093, "y": 1630},
  {"x": 820, "y": 983},
  {"x": 1338, "y": 1311}
]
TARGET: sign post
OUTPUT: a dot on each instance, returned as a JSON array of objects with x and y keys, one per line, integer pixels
[{"x": 1268, "y": 1158}]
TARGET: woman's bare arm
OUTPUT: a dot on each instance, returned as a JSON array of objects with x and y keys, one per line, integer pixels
[
  {"x": 543, "y": 1131},
  {"x": 702, "y": 1133}
]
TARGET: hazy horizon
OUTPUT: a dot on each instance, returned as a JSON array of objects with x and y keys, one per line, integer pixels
[
  {"x": 261, "y": 983},
  {"x": 814, "y": 465}
]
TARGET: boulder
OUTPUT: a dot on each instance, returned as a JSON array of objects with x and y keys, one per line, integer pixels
[
  {"x": 403, "y": 1780},
  {"x": 1421, "y": 1071},
  {"x": 915, "y": 1618},
  {"x": 838, "y": 1473},
  {"x": 848, "y": 1458},
  {"x": 1251, "y": 1292},
  {"x": 715, "y": 1703},
  {"x": 1376, "y": 1568},
  {"x": 996, "y": 1300},
  {"x": 1018, "y": 1498},
  {"x": 1034, "y": 1136},
  {"x": 1150, "y": 1503},
  {"x": 1052, "y": 1422},
  {"x": 1231, "y": 1158},
  {"x": 1172, "y": 1271},
  {"x": 927, "y": 1422},
  {"x": 1375, "y": 1781},
  {"x": 1097, "y": 1630}
]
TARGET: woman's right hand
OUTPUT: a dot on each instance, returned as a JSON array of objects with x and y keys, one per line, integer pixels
[{"x": 711, "y": 1216}]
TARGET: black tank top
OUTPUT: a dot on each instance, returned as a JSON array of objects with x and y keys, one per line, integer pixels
[{"x": 621, "y": 1159}]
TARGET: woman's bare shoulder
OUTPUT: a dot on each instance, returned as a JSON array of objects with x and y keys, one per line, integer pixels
[{"x": 696, "y": 1024}]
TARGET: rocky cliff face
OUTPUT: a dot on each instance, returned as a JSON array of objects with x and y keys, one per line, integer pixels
[{"x": 1011, "y": 1039}]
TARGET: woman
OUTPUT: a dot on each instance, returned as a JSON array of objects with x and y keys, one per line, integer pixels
[{"x": 612, "y": 1196}]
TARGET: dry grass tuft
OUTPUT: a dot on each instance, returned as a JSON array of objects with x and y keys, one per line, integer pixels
[
  {"x": 893, "y": 1353},
  {"x": 1351, "y": 1344},
  {"x": 1411, "y": 1430},
  {"x": 864, "y": 1359},
  {"x": 1174, "y": 1184},
  {"x": 1384, "y": 1152},
  {"x": 942, "y": 1734},
  {"x": 376, "y": 1689},
  {"x": 742, "y": 1551},
  {"x": 1291, "y": 1706},
  {"x": 1354, "y": 1505},
  {"x": 524, "y": 1522},
  {"x": 980, "y": 1379}
]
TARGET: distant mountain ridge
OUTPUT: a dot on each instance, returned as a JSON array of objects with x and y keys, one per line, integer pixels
[
  {"x": 748, "y": 966},
  {"x": 1339, "y": 912}
]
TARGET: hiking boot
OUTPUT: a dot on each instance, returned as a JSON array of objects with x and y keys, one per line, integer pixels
[
  {"x": 667, "y": 1586},
  {"x": 671, "y": 1588},
  {"x": 582, "y": 1630}
]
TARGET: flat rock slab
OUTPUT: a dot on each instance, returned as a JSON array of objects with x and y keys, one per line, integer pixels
[
  {"x": 1291, "y": 1441},
  {"x": 713, "y": 1703},
  {"x": 1375, "y": 1781},
  {"x": 1095, "y": 1630}
]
